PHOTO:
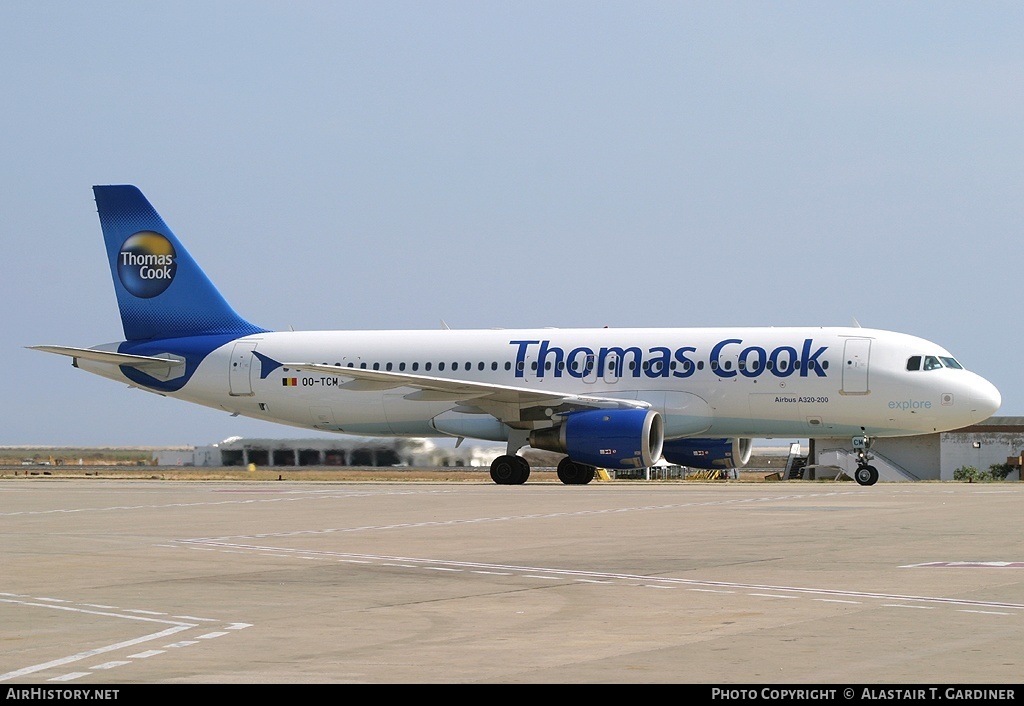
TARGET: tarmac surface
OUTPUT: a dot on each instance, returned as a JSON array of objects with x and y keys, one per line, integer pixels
[{"x": 112, "y": 581}]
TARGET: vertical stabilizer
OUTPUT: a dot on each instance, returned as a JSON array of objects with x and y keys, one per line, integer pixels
[{"x": 161, "y": 291}]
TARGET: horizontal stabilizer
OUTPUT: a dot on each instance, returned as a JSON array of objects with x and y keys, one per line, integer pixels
[{"x": 98, "y": 356}]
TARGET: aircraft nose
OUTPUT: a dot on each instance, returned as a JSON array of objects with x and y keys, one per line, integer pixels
[{"x": 986, "y": 399}]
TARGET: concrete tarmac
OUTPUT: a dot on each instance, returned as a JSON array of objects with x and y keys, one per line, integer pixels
[{"x": 155, "y": 581}]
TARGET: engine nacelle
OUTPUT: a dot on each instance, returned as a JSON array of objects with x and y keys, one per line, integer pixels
[
  {"x": 615, "y": 438},
  {"x": 708, "y": 453}
]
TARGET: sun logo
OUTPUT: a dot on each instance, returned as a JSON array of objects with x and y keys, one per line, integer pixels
[{"x": 146, "y": 264}]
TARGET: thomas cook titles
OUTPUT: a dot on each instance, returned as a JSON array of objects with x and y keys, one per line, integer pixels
[{"x": 662, "y": 361}]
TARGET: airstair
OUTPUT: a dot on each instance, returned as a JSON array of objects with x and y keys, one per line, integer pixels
[
  {"x": 795, "y": 467},
  {"x": 795, "y": 463},
  {"x": 844, "y": 462}
]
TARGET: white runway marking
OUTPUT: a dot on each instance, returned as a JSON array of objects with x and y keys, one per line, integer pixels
[
  {"x": 967, "y": 565},
  {"x": 90, "y": 653},
  {"x": 70, "y": 676},
  {"x": 510, "y": 518},
  {"x": 321, "y": 495},
  {"x": 177, "y": 625},
  {"x": 575, "y": 574},
  {"x": 769, "y": 595}
]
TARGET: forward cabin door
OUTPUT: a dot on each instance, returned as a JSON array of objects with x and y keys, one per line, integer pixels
[{"x": 855, "y": 366}]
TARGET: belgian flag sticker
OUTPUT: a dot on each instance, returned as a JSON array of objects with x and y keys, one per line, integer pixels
[{"x": 289, "y": 382}]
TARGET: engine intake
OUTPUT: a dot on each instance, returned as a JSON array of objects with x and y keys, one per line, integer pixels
[{"x": 617, "y": 438}]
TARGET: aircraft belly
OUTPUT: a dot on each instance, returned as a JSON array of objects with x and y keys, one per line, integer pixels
[
  {"x": 371, "y": 412},
  {"x": 406, "y": 417},
  {"x": 112, "y": 372},
  {"x": 473, "y": 426},
  {"x": 317, "y": 406}
]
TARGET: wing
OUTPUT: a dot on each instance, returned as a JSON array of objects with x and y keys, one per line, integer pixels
[{"x": 519, "y": 407}]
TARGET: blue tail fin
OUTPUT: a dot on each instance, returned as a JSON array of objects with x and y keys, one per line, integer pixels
[{"x": 161, "y": 291}]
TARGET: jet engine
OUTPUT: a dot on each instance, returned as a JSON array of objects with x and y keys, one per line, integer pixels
[
  {"x": 708, "y": 453},
  {"x": 616, "y": 438}
]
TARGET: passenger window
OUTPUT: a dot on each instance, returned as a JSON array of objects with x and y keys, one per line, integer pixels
[{"x": 914, "y": 362}]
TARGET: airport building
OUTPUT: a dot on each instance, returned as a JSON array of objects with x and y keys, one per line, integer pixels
[
  {"x": 999, "y": 441},
  {"x": 337, "y": 451},
  {"x": 996, "y": 441}
]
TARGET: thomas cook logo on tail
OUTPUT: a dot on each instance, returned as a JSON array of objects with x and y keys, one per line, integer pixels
[{"x": 146, "y": 264}]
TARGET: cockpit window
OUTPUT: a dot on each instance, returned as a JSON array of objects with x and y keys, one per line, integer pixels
[{"x": 932, "y": 362}]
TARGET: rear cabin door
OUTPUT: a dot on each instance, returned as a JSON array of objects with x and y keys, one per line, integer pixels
[{"x": 239, "y": 383}]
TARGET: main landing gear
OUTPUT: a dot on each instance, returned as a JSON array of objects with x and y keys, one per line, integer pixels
[
  {"x": 510, "y": 469},
  {"x": 572, "y": 473},
  {"x": 866, "y": 474}
]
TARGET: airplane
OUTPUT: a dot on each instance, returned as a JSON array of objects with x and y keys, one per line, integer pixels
[{"x": 612, "y": 398}]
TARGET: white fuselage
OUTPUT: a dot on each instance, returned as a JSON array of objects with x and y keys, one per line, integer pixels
[{"x": 718, "y": 382}]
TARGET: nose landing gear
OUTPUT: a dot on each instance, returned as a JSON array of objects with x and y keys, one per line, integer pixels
[{"x": 866, "y": 474}]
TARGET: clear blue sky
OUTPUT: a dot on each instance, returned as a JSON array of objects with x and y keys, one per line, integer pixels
[{"x": 388, "y": 164}]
